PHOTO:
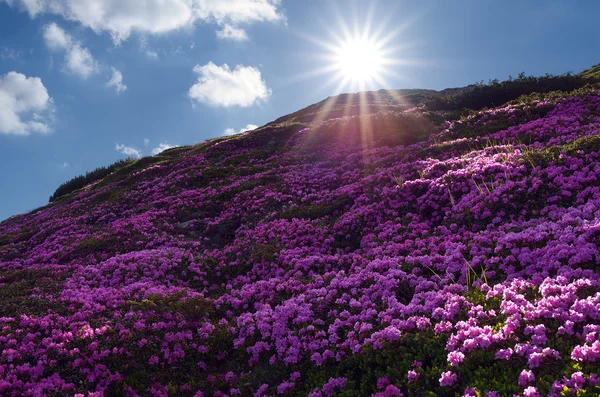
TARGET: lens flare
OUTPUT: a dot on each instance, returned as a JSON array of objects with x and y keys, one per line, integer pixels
[{"x": 359, "y": 60}]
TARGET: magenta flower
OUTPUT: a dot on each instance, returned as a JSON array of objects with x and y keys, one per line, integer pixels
[
  {"x": 413, "y": 376},
  {"x": 448, "y": 378}
]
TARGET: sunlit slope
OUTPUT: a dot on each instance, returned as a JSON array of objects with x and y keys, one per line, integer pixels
[{"x": 394, "y": 243}]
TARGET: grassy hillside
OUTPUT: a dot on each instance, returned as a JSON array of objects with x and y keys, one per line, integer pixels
[
  {"x": 591, "y": 73},
  {"x": 411, "y": 242}
]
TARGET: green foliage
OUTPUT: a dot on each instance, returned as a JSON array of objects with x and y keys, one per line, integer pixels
[
  {"x": 393, "y": 360},
  {"x": 591, "y": 73},
  {"x": 190, "y": 308},
  {"x": 20, "y": 291},
  {"x": 543, "y": 157},
  {"x": 110, "y": 196},
  {"x": 315, "y": 211},
  {"x": 553, "y": 96},
  {"x": 8, "y": 239},
  {"x": 90, "y": 177},
  {"x": 128, "y": 170},
  {"x": 91, "y": 246},
  {"x": 23, "y": 235},
  {"x": 379, "y": 129},
  {"x": 466, "y": 128},
  {"x": 363, "y": 103},
  {"x": 495, "y": 93}
]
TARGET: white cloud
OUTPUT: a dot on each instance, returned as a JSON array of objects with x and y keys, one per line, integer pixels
[
  {"x": 238, "y": 11},
  {"x": 56, "y": 38},
  {"x": 232, "y": 131},
  {"x": 33, "y": 7},
  {"x": 249, "y": 127},
  {"x": 10, "y": 53},
  {"x": 122, "y": 17},
  {"x": 78, "y": 59},
  {"x": 144, "y": 47},
  {"x": 221, "y": 86},
  {"x": 116, "y": 81},
  {"x": 129, "y": 151},
  {"x": 162, "y": 147},
  {"x": 21, "y": 101},
  {"x": 228, "y": 32},
  {"x": 146, "y": 142}
]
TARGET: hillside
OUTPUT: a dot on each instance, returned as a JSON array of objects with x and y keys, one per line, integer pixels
[{"x": 408, "y": 242}]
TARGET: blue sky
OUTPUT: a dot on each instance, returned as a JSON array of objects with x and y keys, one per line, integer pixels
[{"x": 84, "y": 83}]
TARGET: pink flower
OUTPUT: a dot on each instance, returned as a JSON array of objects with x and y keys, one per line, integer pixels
[
  {"x": 448, "y": 378},
  {"x": 413, "y": 376},
  {"x": 383, "y": 382},
  {"x": 332, "y": 384},
  {"x": 531, "y": 392},
  {"x": 526, "y": 377},
  {"x": 455, "y": 358}
]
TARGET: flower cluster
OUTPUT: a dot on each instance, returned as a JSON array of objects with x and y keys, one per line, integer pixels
[{"x": 319, "y": 261}]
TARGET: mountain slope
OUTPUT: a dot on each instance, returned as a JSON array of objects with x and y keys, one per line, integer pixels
[{"x": 414, "y": 248}]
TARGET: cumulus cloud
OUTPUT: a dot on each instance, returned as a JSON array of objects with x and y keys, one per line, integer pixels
[
  {"x": 228, "y": 32},
  {"x": 162, "y": 147},
  {"x": 128, "y": 150},
  {"x": 56, "y": 38},
  {"x": 116, "y": 81},
  {"x": 232, "y": 131},
  {"x": 238, "y": 11},
  {"x": 121, "y": 18},
  {"x": 146, "y": 142},
  {"x": 221, "y": 86},
  {"x": 33, "y": 7},
  {"x": 78, "y": 59},
  {"x": 22, "y": 100}
]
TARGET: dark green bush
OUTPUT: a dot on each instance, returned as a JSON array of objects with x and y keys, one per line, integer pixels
[
  {"x": 496, "y": 93},
  {"x": 83, "y": 180}
]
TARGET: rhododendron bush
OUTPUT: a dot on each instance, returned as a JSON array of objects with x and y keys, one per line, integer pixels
[{"x": 346, "y": 257}]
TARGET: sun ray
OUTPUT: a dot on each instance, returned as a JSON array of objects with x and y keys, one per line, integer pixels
[{"x": 363, "y": 53}]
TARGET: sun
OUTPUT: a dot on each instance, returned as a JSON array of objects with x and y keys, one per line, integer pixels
[
  {"x": 358, "y": 49},
  {"x": 359, "y": 60},
  {"x": 357, "y": 57}
]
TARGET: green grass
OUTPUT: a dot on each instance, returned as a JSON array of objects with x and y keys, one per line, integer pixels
[
  {"x": 545, "y": 156},
  {"x": 315, "y": 211},
  {"x": 591, "y": 73}
]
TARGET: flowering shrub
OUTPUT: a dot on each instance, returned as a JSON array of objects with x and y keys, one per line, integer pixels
[{"x": 275, "y": 263}]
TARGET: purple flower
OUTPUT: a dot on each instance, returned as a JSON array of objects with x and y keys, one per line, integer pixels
[
  {"x": 531, "y": 392},
  {"x": 448, "y": 378},
  {"x": 455, "y": 358},
  {"x": 413, "y": 376},
  {"x": 526, "y": 377},
  {"x": 383, "y": 382}
]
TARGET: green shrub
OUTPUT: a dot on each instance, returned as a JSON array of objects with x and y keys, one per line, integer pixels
[
  {"x": 90, "y": 177},
  {"x": 587, "y": 144},
  {"x": 496, "y": 93},
  {"x": 315, "y": 211}
]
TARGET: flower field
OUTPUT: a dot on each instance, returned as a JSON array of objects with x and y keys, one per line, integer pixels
[{"x": 385, "y": 254}]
